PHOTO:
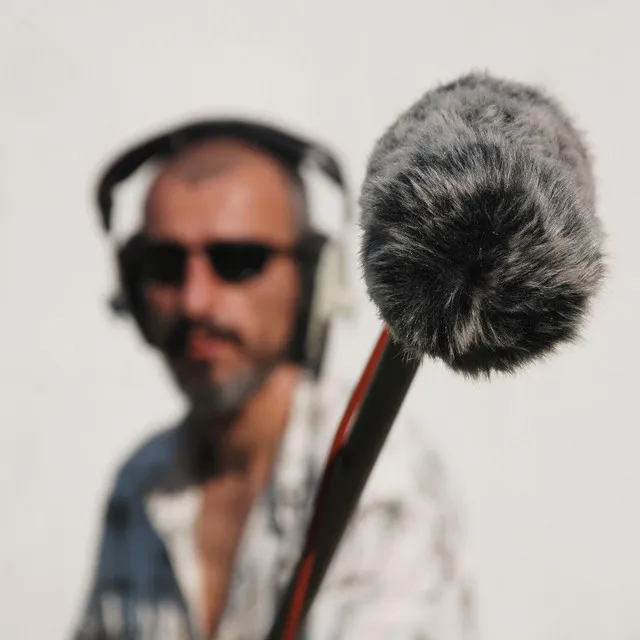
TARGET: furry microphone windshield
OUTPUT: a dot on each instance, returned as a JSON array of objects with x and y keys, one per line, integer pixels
[{"x": 480, "y": 244}]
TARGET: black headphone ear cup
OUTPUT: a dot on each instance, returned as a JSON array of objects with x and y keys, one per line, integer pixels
[
  {"x": 129, "y": 277},
  {"x": 312, "y": 247}
]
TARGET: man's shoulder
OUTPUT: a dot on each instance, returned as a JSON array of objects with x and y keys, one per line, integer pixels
[
  {"x": 150, "y": 457},
  {"x": 410, "y": 469},
  {"x": 409, "y": 512},
  {"x": 408, "y": 448}
]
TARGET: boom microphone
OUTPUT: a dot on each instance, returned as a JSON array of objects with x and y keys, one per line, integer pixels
[{"x": 480, "y": 247}]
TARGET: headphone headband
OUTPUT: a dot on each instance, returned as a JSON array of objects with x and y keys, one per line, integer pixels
[{"x": 289, "y": 148}]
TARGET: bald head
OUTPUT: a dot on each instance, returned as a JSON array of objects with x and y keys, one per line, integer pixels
[{"x": 222, "y": 157}]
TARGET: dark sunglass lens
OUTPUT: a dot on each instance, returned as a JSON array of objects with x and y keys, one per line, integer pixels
[
  {"x": 163, "y": 263},
  {"x": 237, "y": 262}
]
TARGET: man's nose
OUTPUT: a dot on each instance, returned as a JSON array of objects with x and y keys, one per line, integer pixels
[{"x": 200, "y": 287}]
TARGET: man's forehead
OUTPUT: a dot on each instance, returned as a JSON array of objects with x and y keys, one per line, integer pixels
[
  {"x": 204, "y": 159},
  {"x": 220, "y": 186}
]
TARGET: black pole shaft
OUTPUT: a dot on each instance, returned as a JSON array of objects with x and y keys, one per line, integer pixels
[{"x": 383, "y": 400}]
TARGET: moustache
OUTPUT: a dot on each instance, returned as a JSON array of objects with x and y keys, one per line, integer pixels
[{"x": 177, "y": 338}]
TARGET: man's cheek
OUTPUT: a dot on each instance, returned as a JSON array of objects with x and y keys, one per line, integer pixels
[
  {"x": 160, "y": 328},
  {"x": 278, "y": 326}
]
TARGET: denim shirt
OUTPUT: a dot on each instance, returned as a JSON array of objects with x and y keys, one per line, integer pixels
[{"x": 396, "y": 574}]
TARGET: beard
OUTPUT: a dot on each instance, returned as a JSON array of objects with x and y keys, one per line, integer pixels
[
  {"x": 224, "y": 399},
  {"x": 210, "y": 394}
]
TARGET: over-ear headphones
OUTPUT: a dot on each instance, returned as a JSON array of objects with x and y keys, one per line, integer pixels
[{"x": 325, "y": 285}]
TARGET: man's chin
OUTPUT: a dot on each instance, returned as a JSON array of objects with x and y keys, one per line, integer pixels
[
  {"x": 201, "y": 376},
  {"x": 220, "y": 398}
]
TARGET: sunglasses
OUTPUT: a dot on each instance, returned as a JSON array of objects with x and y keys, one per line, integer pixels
[{"x": 164, "y": 262}]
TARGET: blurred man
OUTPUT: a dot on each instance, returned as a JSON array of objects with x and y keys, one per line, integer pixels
[{"x": 206, "y": 520}]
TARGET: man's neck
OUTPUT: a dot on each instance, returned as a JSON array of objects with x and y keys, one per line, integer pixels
[{"x": 245, "y": 446}]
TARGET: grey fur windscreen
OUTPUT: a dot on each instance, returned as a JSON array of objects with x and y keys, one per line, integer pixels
[{"x": 480, "y": 244}]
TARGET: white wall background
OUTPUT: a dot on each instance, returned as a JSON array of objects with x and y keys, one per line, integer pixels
[{"x": 547, "y": 463}]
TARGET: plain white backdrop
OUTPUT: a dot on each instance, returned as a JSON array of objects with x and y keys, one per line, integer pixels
[{"x": 546, "y": 463}]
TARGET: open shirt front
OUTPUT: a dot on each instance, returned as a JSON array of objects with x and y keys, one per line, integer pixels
[{"x": 396, "y": 574}]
